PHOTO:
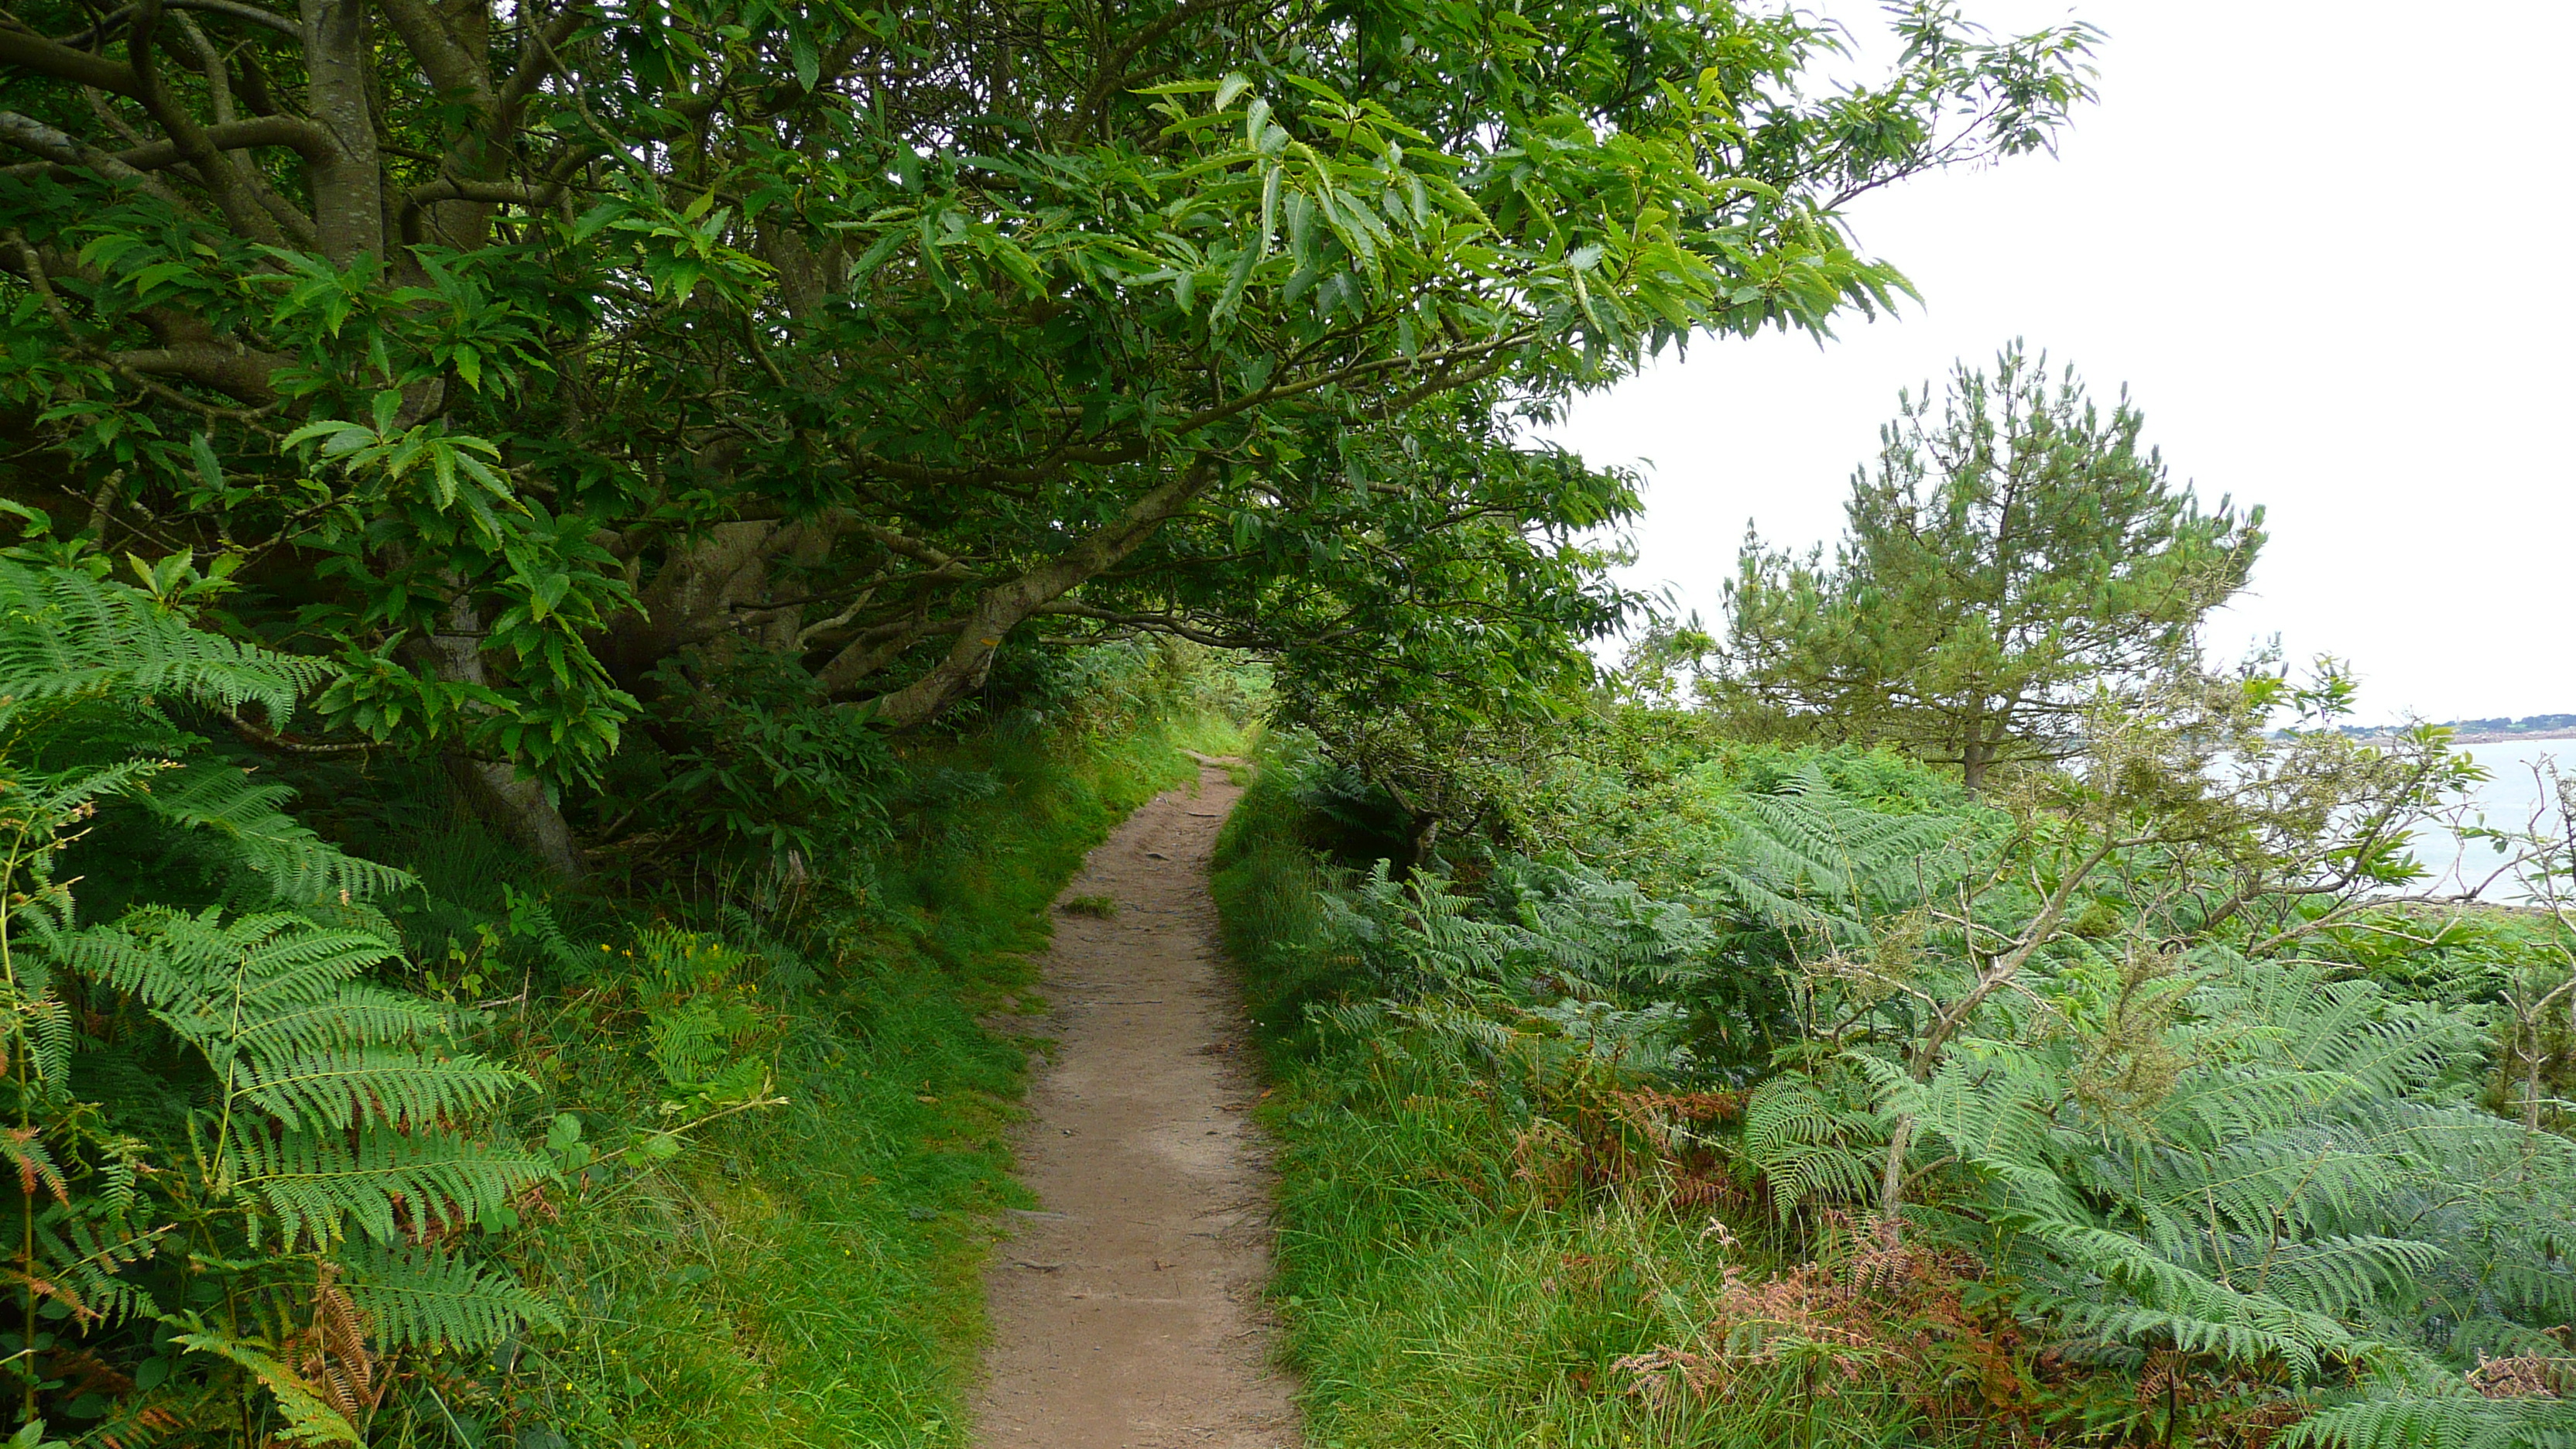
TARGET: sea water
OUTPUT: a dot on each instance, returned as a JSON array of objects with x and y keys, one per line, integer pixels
[{"x": 2515, "y": 797}]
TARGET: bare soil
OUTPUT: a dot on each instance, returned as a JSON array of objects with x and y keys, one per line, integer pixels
[{"x": 1126, "y": 1310}]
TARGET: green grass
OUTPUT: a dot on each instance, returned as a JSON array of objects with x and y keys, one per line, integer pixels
[
  {"x": 1432, "y": 1291},
  {"x": 810, "y": 1274},
  {"x": 806, "y": 1273}
]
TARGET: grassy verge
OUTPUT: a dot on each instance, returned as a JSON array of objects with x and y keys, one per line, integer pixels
[
  {"x": 1440, "y": 1277},
  {"x": 804, "y": 1271}
]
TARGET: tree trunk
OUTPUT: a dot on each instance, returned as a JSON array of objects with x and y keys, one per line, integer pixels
[
  {"x": 1975, "y": 754},
  {"x": 1004, "y": 607},
  {"x": 1426, "y": 839},
  {"x": 496, "y": 790},
  {"x": 520, "y": 809},
  {"x": 1891, "y": 1182},
  {"x": 348, "y": 192}
]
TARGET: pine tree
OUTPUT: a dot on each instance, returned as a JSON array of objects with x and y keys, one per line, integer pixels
[{"x": 2000, "y": 562}]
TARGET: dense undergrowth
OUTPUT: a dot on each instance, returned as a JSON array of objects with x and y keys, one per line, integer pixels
[
  {"x": 338, "y": 1120},
  {"x": 808, "y": 1271},
  {"x": 1791, "y": 1097}
]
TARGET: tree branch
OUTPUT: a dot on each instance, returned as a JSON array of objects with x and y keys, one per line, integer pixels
[
  {"x": 65, "y": 152},
  {"x": 1107, "y": 80},
  {"x": 1154, "y": 623},
  {"x": 252, "y": 13},
  {"x": 1003, "y": 607},
  {"x": 236, "y": 371},
  {"x": 451, "y": 69},
  {"x": 27, "y": 50}
]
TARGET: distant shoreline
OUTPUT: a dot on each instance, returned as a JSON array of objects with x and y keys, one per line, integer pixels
[
  {"x": 2481, "y": 737},
  {"x": 2493, "y": 729}
]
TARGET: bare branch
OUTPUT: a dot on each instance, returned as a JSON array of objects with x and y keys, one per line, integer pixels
[
  {"x": 64, "y": 151},
  {"x": 27, "y": 50}
]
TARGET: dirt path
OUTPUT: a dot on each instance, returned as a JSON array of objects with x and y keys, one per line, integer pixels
[{"x": 1126, "y": 1313}]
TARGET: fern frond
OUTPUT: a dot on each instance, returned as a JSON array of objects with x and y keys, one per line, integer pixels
[
  {"x": 2451, "y": 1421},
  {"x": 357, "y": 1015},
  {"x": 1459, "y": 1023},
  {"x": 318, "y": 1185},
  {"x": 1587, "y": 927},
  {"x": 687, "y": 1041},
  {"x": 64, "y": 634},
  {"x": 1416, "y": 934},
  {"x": 201, "y": 968},
  {"x": 425, "y": 1298},
  {"x": 351, "y": 1088},
  {"x": 534, "y": 919},
  {"x": 1807, "y": 1146},
  {"x": 82, "y": 1260},
  {"x": 1811, "y": 861},
  {"x": 309, "y": 1420},
  {"x": 2153, "y": 1299},
  {"x": 2339, "y": 1276},
  {"x": 297, "y": 866}
]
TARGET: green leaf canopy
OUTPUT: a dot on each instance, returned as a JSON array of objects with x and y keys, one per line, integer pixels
[{"x": 515, "y": 352}]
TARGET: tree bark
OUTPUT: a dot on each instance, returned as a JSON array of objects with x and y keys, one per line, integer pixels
[
  {"x": 347, "y": 190},
  {"x": 1891, "y": 1181},
  {"x": 698, "y": 595},
  {"x": 1424, "y": 841},
  {"x": 496, "y": 790},
  {"x": 1003, "y": 607},
  {"x": 519, "y": 807}
]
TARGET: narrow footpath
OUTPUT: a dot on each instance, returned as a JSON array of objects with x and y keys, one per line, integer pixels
[{"x": 1126, "y": 1310}]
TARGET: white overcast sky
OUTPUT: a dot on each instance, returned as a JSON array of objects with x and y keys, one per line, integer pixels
[{"x": 2325, "y": 245}]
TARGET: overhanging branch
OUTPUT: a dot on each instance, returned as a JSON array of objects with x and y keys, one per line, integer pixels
[{"x": 1171, "y": 624}]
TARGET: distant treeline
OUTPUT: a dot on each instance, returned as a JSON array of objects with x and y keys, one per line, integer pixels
[{"x": 2474, "y": 729}]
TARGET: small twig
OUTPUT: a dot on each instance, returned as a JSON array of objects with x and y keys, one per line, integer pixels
[{"x": 271, "y": 739}]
